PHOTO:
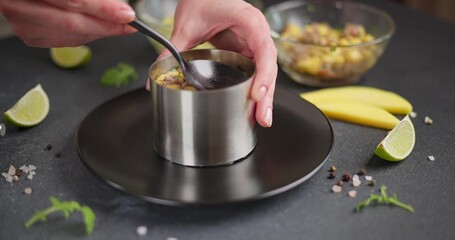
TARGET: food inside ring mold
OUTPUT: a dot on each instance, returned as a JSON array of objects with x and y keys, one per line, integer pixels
[{"x": 174, "y": 79}]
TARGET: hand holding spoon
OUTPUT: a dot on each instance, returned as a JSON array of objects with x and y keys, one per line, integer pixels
[{"x": 202, "y": 74}]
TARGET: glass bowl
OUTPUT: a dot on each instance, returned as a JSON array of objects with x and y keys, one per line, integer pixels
[
  {"x": 159, "y": 15},
  {"x": 324, "y": 44}
]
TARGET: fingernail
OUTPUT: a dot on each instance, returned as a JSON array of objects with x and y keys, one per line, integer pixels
[
  {"x": 126, "y": 15},
  {"x": 147, "y": 85},
  {"x": 268, "y": 117},
  {"x": 260, "y": 94}
]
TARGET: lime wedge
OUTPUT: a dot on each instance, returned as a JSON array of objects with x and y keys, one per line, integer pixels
[
  {"x": 398, "y": 144},
  {"x": 71, "y": 57},
  {"x": 30, "y": 110}
]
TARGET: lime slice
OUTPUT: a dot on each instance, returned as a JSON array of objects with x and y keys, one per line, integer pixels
[
  {"x": 30, "y": 110},
  {"x": 398, "y": 144},
  {"x": 71, "y": 57}
]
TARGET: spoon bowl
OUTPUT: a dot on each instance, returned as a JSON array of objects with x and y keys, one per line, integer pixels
[
  {"x": 215, "y": 74},
  {"x": 202, "y": 74}
]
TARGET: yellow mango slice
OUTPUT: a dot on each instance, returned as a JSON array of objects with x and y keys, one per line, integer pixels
[
  {"x": 387, "y": 100},
  {"x": 359, "y": 113}
]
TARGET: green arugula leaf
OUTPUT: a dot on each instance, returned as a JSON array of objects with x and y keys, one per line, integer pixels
[
  {"x": 67, "y": 207},
  {"x": 89, "y": 218},
  {"x": 119, "y": 75},
  {"x": 382, "y": 198}
]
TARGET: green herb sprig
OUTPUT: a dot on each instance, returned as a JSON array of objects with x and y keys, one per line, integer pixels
[
  {"x": 119, "y": 75},
  {"x": 382, "y": 199},
  {"x": 67, "y": 207}
]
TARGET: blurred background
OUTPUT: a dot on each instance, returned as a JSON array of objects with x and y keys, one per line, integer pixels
[{"x": 442, "y": 9}]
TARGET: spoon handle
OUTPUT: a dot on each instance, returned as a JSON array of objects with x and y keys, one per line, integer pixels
[{"x": 139, "y": 25}]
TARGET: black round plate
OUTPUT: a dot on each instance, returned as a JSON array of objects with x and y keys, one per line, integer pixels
[{"x": 115, "y": 142}]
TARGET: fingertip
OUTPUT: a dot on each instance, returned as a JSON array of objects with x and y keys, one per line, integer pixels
[
  {"x": 268, "y": 117},
  {"x": 147, "y": 85},
  {"x": 264, "y": 108},
  {"x": 265, "y": 118},
  {"x": 163, "y": 54},
  {"x": 126, "y": 14}
]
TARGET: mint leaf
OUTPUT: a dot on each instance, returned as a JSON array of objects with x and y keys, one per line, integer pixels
[
  {"x": 119, "y": 75},
  {"x": 67, "y": 207}
]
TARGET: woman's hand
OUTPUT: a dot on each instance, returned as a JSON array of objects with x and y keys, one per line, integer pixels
[
  {"x": 66, "y": 23},
  {"x": 232, "y": 25},
  {"x": 237, "y": 26}
]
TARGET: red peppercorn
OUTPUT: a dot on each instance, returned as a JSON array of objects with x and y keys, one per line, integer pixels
[{"x": 346, "y": 177}]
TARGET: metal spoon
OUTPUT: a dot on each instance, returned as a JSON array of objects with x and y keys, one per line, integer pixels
[{"x": 202, "y": 74}]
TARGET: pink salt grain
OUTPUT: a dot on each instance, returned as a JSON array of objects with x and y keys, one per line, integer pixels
[{"x": 336, "y": 189}]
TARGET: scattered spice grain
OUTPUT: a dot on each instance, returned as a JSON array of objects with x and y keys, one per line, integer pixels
[
  {"x": 352, "y": 193},
  {"x": 371, "y": 182},
  {"x": 141, "y": 231},
  {"x": 2, "y": 129},
  {"x": 362, "y": 172},
  {"x": 428, "y": 120},
  {"x": 336, "y": 189},
  {"x": 28, "y": 190},
  {"x": 11, "y": 170},
  {"x": 332, "y": 168},
  {"x": 431, "y": 158},
  {"x": 356, "y": 181},
  {"x": 49, "y": 146},
  {"x": 332, "y": 175},
  {"x": 346, "y": 177},
  {"x": 9, "y": 179},
  {"x": 340, "y": 183}
]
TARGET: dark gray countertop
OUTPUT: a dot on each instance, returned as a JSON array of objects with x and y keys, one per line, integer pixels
[{"x": 418, "y": 64}]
